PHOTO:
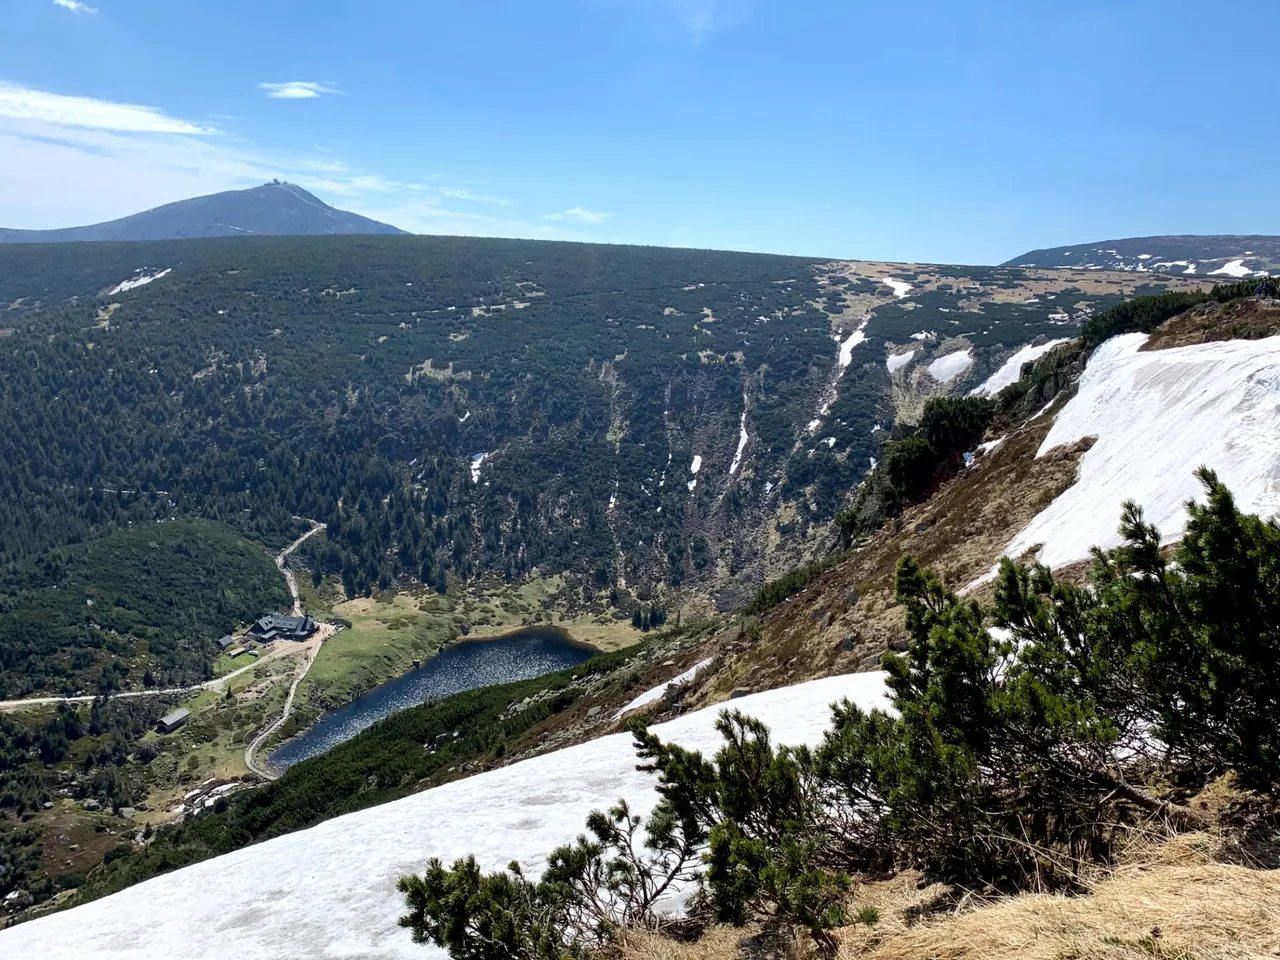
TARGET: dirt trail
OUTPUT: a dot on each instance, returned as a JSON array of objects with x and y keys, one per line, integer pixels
[{"x": 312, "y": 648}]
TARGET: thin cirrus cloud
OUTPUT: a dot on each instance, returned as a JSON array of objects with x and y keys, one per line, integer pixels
[
  {"x": 297, "y": 90},
  {"x": 25, "y": 103},
  {"x": 460, "y": 194},
  {"x": 75, "y": 6},
  {"x": 579, "y": 215}
]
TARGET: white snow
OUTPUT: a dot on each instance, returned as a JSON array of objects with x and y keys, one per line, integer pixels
[
  {"x": 946, "y": 369},
  {"x": 924, "y": 334},
  {"x": 476, "y": 461},
  {"x": 991, "y": 446},
  {"x": 330, "y": 892},
  {"x": 1008, "y": 372},
  {"x": 900, "y": 287},
  {"x": 1158, "y": 415},
  {"x": 465, "y": 417},
  {"x": 656, "y": 693},
  {"x": 855, "y": 338},
  {"x": 134, "y": 282},
  {"x": 830, "y": 442},
  {"x": 694, "y": 468},
  {"x": 896, "y": 361},
  {"x": 742, "y": 439},
  {"x": 1235, "y": 268},
  {"x": 814, "y": 424}
]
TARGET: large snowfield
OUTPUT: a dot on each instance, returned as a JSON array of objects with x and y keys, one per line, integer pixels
[
  {"x": 1158, "y": 415},
  {"x": 330, "y": 892}
]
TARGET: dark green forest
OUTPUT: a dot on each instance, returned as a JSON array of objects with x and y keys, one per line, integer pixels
[
  {"x": 140, "y": 605},
  {"x": 353, "y": 380}
]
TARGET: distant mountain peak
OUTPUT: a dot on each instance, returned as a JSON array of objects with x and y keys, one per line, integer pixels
[{"x": 276, "y": 208}]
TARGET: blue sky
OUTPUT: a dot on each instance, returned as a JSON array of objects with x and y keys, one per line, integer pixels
[{"x": 910, "y": 130}]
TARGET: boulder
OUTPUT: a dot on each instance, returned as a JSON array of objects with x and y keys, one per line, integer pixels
[
  {"x": 741, "y": 692},
  {"x": 594, "y": 712},
  {"x": 91, "y": 804}
]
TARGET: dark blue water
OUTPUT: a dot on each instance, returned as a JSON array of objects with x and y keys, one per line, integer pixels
[{"x": 463, "y": 666}]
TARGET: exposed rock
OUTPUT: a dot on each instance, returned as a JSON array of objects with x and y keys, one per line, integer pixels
[
  {"x": 851, "y": 596},
  {"x": 594, "y": 712},
  {"x": 128, "y": 812},
  {"x": 849, "y": 642},
  {"x": 741, "y": 692},
  {"x": 92, "y": 804},
  {"x": 899, "y": 644},
  {"x": 922, "y": 526}
]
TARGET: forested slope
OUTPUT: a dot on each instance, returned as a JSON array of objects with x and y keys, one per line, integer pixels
[
  {"x": 141, "y": 604},
  {"x": 640, "y": 418}
]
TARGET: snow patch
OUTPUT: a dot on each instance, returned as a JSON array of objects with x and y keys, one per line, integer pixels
[
  {"x": 476, "y": 462},
  {"x": 896, "y": 361},
  {"x": 1158, "y": 415},
  {"x": 1235, "y": 268},
  {"x": 742, "y": 439},
  {"x": 900, "y": 287},
  {"x": 656, "y": 693},
  {"x": 1008, "y": 373},
  {"x": 855, "y": 338},
  {"x": 946, "y": 369},
  {"x": 134, "y": 282},
  {"x": 330, "y": 891}
]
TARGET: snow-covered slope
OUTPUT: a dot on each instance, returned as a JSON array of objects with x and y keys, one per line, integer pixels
[
  {"x": 329, "y": 892},
  {"x": 655, "y": 693},
  {"x": 1158, "y": 415},
  {"x": 1012, "y": 368}
]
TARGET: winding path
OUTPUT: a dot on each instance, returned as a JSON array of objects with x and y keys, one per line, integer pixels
[{"x": 326, "y": 631}]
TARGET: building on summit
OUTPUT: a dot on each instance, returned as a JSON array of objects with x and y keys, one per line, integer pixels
[{"x": 276, "y": 626}]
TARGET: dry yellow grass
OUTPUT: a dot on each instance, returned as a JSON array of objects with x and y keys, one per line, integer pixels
[
  {"x": 1200, "y": 911},
  {"x": 1169, "y": 900}
]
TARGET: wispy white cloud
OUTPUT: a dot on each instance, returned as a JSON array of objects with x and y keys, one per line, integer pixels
[
  {"x": 66, "y": 161},
  {"x": 459, "y": 194},
  {"x": 297, "y": 89},
  {"x": 699, "y": 17},
  {"x": 24, "y": 103},
  {"x": 579, "y": 215},
  {"x": 75, "y": 6}
]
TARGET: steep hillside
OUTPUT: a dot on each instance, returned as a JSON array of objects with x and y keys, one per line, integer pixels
[
  {"x": 273, "y": 209},
  {"x": 333, "y": 886},
  {"x": 651, "y": 420},
  {"x": 1222, "y": 256},
  {"x": 1113, "y": 416}
]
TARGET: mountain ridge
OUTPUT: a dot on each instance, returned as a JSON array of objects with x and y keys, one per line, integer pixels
[
  {"x": 272, "y": 209},
  {"x": 1228, "y": 255}
]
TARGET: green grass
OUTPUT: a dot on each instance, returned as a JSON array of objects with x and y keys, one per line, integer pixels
[{"x": 385, "y": 637}]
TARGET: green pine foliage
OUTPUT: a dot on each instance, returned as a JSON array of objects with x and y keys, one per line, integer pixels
[
  {"x": 913, "y": 465},
  {"x": 1026, "y": 737}
]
